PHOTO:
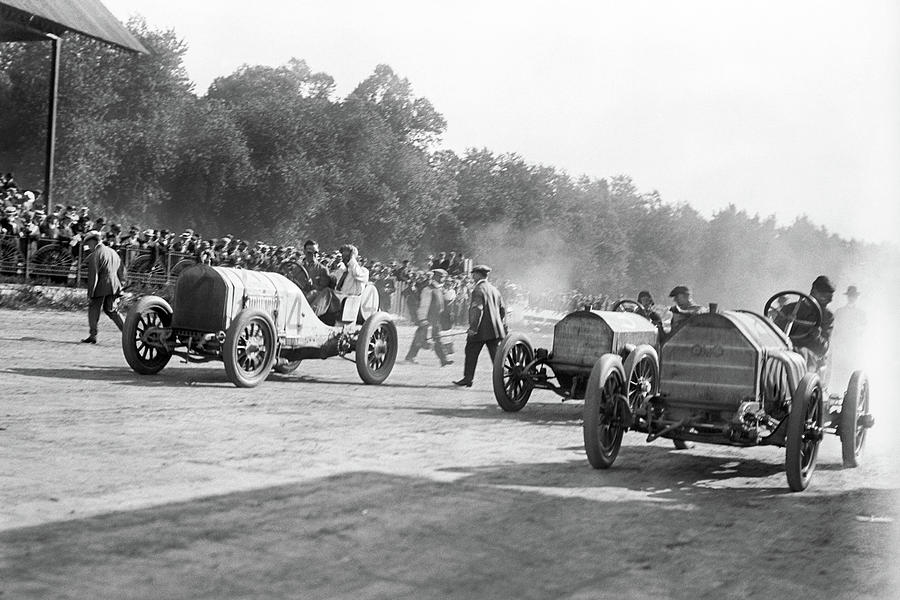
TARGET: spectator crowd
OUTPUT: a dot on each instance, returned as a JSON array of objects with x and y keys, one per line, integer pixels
[{"x": 25, "y": 219}]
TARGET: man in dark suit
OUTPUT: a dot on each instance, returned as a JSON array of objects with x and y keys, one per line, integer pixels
[
  {"x": 104, "y": 284},
  {"x": 812, "y": 342},
  {"x": 487, "y": 322}
]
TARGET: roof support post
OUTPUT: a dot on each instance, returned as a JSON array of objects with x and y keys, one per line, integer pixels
[{"x": 56, "y": 42}]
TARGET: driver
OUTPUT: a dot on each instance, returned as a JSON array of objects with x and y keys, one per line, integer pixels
[
  {"x": 645, "y": 308},
  {"x": 684, "y": 306},
  {"x": 815, "y": 340}
]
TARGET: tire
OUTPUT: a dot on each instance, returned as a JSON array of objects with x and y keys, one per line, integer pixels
[
  {"x": 143, "y": 356},
  {"x": 376, "y": 348},
  {"x": 804, "y": 432},
  {"x": 683, "y": 444},
  {"x": 512, "y": 385},
  {"x": 249, "y": 349},
  {"x": 603, "y": 399},
  {"x": 642, "y": 368},
  {"x": 856, "y": 404},
  {"x": 284, "y": 367}
]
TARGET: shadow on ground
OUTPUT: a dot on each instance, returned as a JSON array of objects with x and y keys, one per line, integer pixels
[{"x": 372, "y": 535}]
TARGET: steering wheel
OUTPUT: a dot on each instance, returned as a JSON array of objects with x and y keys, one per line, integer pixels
[
  {"x": 297, "y": 273},
  {"x": 786, "y": 313},
  {"x": 627, "y": 306}
]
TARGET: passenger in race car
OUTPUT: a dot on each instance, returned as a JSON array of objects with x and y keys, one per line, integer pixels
[
  {"x": 684, "y": 306},
  {"x": 813, "y": 342},
  {"x": 351, "y": 278}
]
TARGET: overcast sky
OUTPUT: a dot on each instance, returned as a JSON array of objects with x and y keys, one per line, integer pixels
[{"x": 778, "y": 107}]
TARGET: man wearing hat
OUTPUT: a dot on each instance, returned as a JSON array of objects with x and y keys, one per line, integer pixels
[
  {"x": 104, "y": 284},
  {"x": 848, "y": 340},
  {"x": 684, "y": 306},
  {"x": 813, "y": 342},
  {"x": 487, "y": 322},
  {"x": 432, "y": 305}
]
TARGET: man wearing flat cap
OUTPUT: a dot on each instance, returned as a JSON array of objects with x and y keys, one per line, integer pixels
[
  {"x": 813, "y": 342},
  {"x": 684, "y": 306},
  {"x": 487, "y": 322},
  {"x": 104, "y": 284},
  {"x": 432, "y": 305}
]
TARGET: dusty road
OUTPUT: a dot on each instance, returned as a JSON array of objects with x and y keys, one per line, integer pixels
[{"x": 114, "y": 485}]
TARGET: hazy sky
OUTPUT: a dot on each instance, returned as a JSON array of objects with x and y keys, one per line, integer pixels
[{"x": 778, "y": 107}]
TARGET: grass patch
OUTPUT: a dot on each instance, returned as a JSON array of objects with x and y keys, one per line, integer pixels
[{"x": 33, "y": 297}]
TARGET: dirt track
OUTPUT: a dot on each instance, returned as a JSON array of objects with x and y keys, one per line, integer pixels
[{"x": 316, "y": 486}]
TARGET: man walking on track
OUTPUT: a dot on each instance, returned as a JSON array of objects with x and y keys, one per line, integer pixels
[
  {"x": 487, "y": 322},
  {"x": 432, "y": 306},
  {"x": 104, "y": 284}
]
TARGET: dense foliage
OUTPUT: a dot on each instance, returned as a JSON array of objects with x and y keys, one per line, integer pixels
[{"x": 272, "y": 153}]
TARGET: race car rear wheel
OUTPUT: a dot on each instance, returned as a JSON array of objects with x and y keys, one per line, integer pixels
[
  {"x": 804, "y": 432},
  {"x": 850, "y": 428},
  {"x": 604, "y": 404},
  {"x": 512, "y": 384},
  {"x": 140, "y": 344},
  {"x": 249, "y": 349},
  {"x": 376, "y": 348}
]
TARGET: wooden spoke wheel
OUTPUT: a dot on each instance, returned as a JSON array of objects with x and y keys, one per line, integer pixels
[
  {"x": 603, "y": 412},
  {"x": 511, "y": 379},
  {"x": 249, "y": 349},
  {"x": 376, "y": 348},
  {"x": 854, "y": 412},
  {"x": 804, "y": 432},
  {"x": 144, "y": 335}
]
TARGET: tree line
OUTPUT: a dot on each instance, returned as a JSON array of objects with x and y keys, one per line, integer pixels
[{"x": 272, "y": 153}]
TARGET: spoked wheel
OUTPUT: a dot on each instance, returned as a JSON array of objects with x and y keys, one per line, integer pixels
[
  {"x": 144, "y": 335},
  {"x": 12, "y": 261},
  {"x": 604, "y": 408},
  {"x": 145, "y": 270},
  {"x": 376, "y": 348},
  {"x": 804, "y": 432},
  {"x": 512, "y": 382},
  {"x": 642, "y": 367},
  {"x": 53, "y": 261},
  {"x": 249, "y": 349},
  {"x": 854, "y": 413}
]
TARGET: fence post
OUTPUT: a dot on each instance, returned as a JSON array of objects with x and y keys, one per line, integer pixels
[{"x": 75, "y": 267}]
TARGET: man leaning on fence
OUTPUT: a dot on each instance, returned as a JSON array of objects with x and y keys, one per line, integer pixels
[{"x": 104, "y": 284}]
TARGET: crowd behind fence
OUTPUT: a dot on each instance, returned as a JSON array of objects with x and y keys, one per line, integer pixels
[{"x": 39, "y": 246}]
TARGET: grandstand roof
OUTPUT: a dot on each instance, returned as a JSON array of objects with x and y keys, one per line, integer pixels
[{"x": 31, "y": 20}]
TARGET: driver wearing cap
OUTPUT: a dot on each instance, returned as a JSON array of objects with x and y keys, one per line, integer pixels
[
  {"x": 684, "y": 306},
  {"x": 816, "y": 339}
]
